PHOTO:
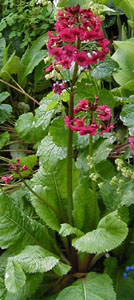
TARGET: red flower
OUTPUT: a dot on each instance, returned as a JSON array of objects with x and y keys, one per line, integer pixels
[
  {"x": 6, "y": 179},
  {"x": 82, "y": 59},
  {"x": 104, "y": 112},
  {"x": 58, "y": 87},
  {"x": 67, "y": 36},
  {"x": 106, "y": 129},
  {"x": 49, "y": 69},
  {"x": 83, "y": 105}
]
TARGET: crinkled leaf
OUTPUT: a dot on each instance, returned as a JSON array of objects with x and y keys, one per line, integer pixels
[
  {"x": 110, "y": 233},
  {"x": 34, "y": 259},
  {"x": 61, "y": 269},
  {"x": 85, "y": 208},
  {"x": 26, "y": 129},
  {"x": 127, "y": 116},
  {"x": 67, "y": 229},
  {"x": 45, "y": 113},
  {"x": 53, "y": 187},
  {"x": 32, "y": 283},
  {"x": 94, "y": 286},
  {"x": 14, "y": 277},
  {"x": 59, "y": 132},
  {"x": 49, "y": 153},
  {"x": 102, "y": 149},
  {"x": 4, "y": 139},
  {"x": 125, "y": 58},
  {"x": 17, "y": 229},
  {"x": 106, "y": 68}
]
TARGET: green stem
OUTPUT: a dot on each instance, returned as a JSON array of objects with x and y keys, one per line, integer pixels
[
  {"x": 70, "y": 148},
  {"x": 93, "y": 183}
]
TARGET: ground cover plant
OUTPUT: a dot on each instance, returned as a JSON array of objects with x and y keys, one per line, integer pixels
[{"x": 67, "y": 192}]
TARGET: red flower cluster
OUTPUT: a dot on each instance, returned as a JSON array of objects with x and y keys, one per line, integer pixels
[
  {"x": 15, "y": 168},
  {"x": 76, "y": 30},
  {"x": 102, "y": 113}
]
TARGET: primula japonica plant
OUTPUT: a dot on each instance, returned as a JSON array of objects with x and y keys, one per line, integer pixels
[{"x": 64, "y": 236}]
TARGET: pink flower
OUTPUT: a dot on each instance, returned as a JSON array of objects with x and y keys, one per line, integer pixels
[
  {"x": 106, "y": 129},
  {"x": 58, "y": 88},
  {"x": 66, "y": 63},
  {"x": 82, "y": 59},
  {"x": 6, "y": 179},
  {"x": 49, "y": 69},
  {"x": 24, "y": 168},
  {"x": 67, "y": 36},
  {"x": 104, "y": 112},
  {"x": 131, "y": 142},
  {"x": 69, "y": 51},
  {"x": 57, "y": 53},
  {"x": 83, "y": 105},
  {"x": 67, "y": 121}
]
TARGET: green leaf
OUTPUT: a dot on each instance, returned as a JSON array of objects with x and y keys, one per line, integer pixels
[
  {"x": 15, "y": 277},
  {"x": 127, "y": 116},
  {"x": 4, "y": 96},
  {"x": 67, "y": 229},
  {"x": 52, "y": 186},
  {"x": 110, "y": 233},
  {"x": 45, "y": 113},
  {"x": 59, "y": 132},
  {"x": 27, "y": 130},
  {"x": 125, "y": 58},
  {"x": 33, "y": 281},
  {"x": 94, "y": 286},
  {"x": 5, "y": 112},
  {"x": 30, "y": 161},
  {"x": 104, "y": 69},
  {"x": 33, "y": 259},
  {"x": 84, "y": 207},
  {"x": 17, "y": 229},
  {"x": 12, "y": 66},
  {"x": 61, "y": 269},
  {"x": 102, "y": 148},
  {"x": 125, "y": 288},
  {"x": 49, "y": 154},
  {"x": 4, "y": 139},
  {"x": 34, "y": 62},
  {"x": 106, "y": 97}
]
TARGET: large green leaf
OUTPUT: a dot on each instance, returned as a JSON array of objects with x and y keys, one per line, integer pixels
[
  {"x": 102, "y": 148},
  {"x": 59, "y": 132},
  {"x": 17, "y": 229},
  {"x": 12, "y": 66},
  {"x": 67, "y": 229},
  {"x": 110, "y": 233},
  {"x": 124, "y": 56},
  {"x": 49, "y": 153},
  {"x": 61, "y": 269},
  {"x": 104, "y": 69},
  {"x": 15, "y": 277},
  {"x": 27, "y": 129},
  {"x": 32, "y": 58},
  {"x": 106, "y": 97},
  {"x": 52, "y": 186},
  {"x": 86, "y": 211},
  {"x": 127, "y": 116},
  {"x": 31, "y": 285},
  {"x": 93, "y": 287},
  {"x": 46, "y": 110}
]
